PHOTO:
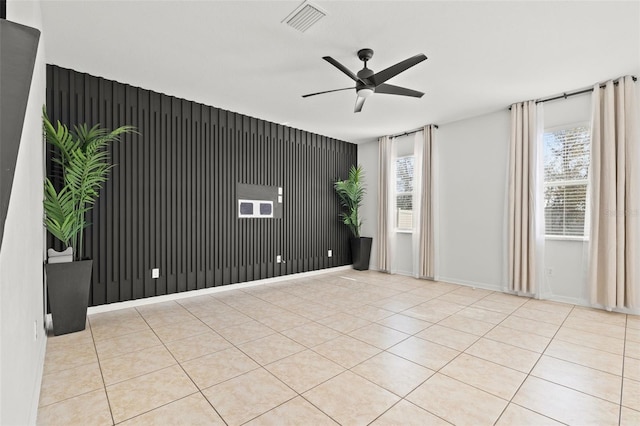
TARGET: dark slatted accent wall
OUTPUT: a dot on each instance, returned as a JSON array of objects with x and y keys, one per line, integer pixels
[{"x": 170, "y": 202}]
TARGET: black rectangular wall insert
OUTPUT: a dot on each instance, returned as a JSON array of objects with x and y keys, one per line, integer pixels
[{"x": 171, "y": 201}]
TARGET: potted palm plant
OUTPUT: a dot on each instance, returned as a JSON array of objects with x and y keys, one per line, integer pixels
[
  {"x": 351, "y": 192},
  {"x": 81, "y": 160}
]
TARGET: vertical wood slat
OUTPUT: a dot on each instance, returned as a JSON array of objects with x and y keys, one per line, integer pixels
[{"x": 170, "y": 202}]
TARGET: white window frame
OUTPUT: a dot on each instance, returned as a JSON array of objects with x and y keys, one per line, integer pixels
[
  {"x": 584, "y": 237},
  {"x": 396, "y": 194}
]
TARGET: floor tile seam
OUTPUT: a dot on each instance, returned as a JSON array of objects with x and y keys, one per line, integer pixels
[
  {"x": 415, "y": 405},
  {"x": 575, "y": 390},
  {"x": 101, "y": 387},
  {"x": 131, "y": 352},
  {"x": 391, "y": 313},
  {"x": 378, "y": 347},
  {"x": 603, "y": 333},
  {"x": 624, "y": 350},
  {"x": 314, "y": 386},
  {"x": 271, "y": 409},
  {"x": 389, "y": 390},
  {"x": 104, "y": 384},
  {"x": 515, "y": 314},
  {"x": 565, "y": 340},
  {"x": 528, "y": 374},
  {"x": 204, "y": 388},
  {"x": 493, "y": 325},
  {"x": 138, "y": 375},
  {"x": 318, "y": 408},
  {"x": 263, "y": 364},
  {"x": 498, "y": 364},
  {"x": 123, "y": 334},
  {"x": 158, "y": 407},
  {"x": 262, "y": 367},
  {"x": 211, "y": 405},
  {"x": 221, "y": 335},
  {"x": 506, "y": 401},
  {"x": 307, "y": 349},
  {"x": 84, "y": 364},
  {"x": 592, "y": 320},
  {"x": 348, "y": 368},
  {"x": 527, "y": 331},
  {"x": 586, "y": 366},
  {"x": 479, "y": 388},
  {"x": 532, "y": 410},
  {"x": 179, "y": 364},
  {"x": 516, "y": 346}
]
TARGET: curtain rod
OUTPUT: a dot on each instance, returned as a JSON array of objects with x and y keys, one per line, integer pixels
[
  {"x": 577, "y": 92},
  {"x": 411, "y": 132}
]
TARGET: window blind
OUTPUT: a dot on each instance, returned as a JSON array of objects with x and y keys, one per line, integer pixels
[
  {"x": 404, "y": 192},
  {"x": 566, "y": 167}
]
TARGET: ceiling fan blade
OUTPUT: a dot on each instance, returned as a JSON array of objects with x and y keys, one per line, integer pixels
[
  {"x": 327, "y": 91},
  {"x": 341, "y": 67},
  {"x": 390, "y": 89},
  {"x": 359, "y": 102},
  {"x": 392, "y": 71}
]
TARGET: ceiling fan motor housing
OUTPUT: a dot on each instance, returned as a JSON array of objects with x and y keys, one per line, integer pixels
[{"x": 363, "y": 76}]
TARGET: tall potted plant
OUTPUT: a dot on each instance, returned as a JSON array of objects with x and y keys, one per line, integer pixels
[
  {"x": 81, "y": 158},
  {"x": 351, "y": 192}
]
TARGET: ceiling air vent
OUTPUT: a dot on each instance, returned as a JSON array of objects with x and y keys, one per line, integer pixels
[{"x": 304, "y": 16}]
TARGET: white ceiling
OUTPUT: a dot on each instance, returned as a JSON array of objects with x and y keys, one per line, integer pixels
[{"x": 237, "y": 55}]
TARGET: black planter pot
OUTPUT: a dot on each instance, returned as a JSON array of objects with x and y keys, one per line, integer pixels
[
  {"x": 68, "y": 289},
  {"x": 361, "y": 252}
]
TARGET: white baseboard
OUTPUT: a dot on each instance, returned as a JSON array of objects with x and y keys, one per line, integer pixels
[
  {"x": 467, "y": 283},
  {"x": 211, "y": 290},
  {"x": 35, "y": 397}
]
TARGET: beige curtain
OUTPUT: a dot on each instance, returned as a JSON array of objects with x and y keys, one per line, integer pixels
[
  {"x": 614, "y": 195},
  {"x": 384, "y": 201},
  {"x": 521, "y": 204},
  {"x": 426, "y": 241}
]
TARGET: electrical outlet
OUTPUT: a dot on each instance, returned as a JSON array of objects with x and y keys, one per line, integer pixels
[
  {"x": 549, "y": 271},
  {"x": 35, "y": 330},
  {"x": 330, "y": 253},
  {"x": 155, "y": 273},
  {"x": 278, "y": 259}
]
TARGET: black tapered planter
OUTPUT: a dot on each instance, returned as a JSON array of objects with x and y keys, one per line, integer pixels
[
  {"x": 361, "y": 252},
  {"x": 68, "y": 289}
]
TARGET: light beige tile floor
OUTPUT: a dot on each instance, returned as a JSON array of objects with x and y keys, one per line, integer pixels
[{"x": 350, "y": 348}]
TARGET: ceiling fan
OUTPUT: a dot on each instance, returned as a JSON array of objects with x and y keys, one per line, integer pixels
[{"x": 368, "y": 82}]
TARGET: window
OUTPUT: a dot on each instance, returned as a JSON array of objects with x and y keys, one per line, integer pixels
[
  {"x": 566, "y": 165},
  {"x": 404, "y": 193}
]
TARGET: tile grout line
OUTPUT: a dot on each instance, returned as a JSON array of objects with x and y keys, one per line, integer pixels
[
  {"x": 624, "y": 352},
  {"x": 181, "y": 367},
  {"x": 104, "y": 384},
  {"x": 532, "y": 368}
]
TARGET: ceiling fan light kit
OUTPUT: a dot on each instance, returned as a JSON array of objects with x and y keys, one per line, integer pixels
[{"x": 368, "y": 82}]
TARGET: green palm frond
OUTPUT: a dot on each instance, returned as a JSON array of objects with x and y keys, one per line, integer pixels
[
  {"x": 84, "y": 157},
  {"x": 351, "y": 193}
]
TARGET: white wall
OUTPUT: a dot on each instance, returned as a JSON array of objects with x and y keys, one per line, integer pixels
[
  {"x": 368, "y": 158},
  {"x": 471, "y": 157},
  {"x": 402, "y": 256},
  {"x": 471, "y": 160},
  {"x": 21, "y": 255}
]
